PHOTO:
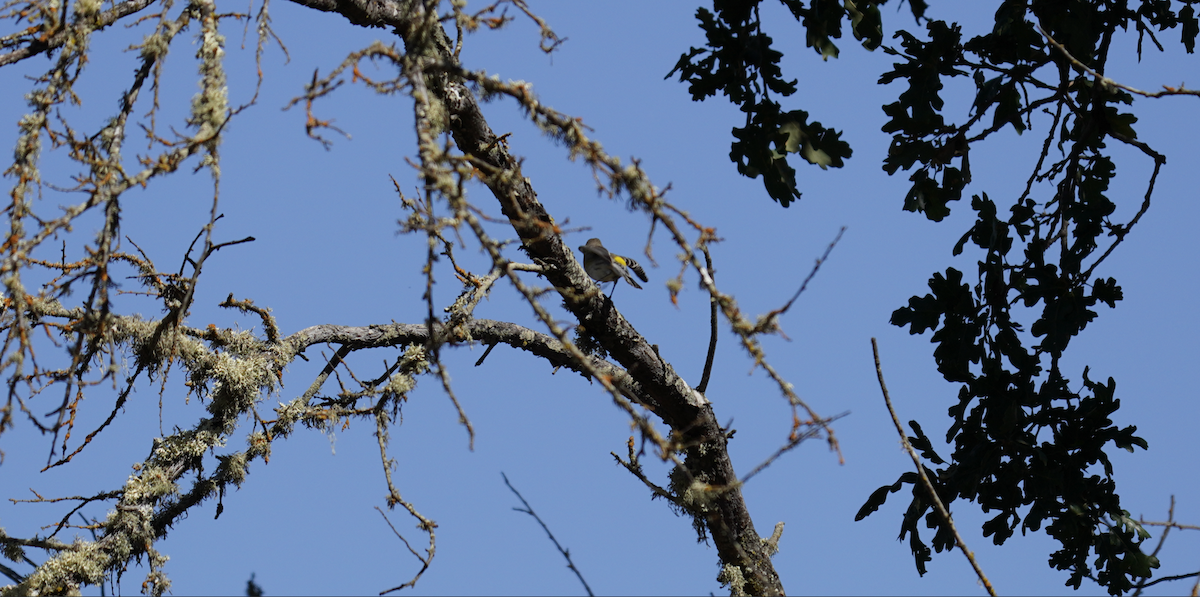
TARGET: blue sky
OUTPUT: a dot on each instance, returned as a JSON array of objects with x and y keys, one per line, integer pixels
[{"x": 327, "y": 252}]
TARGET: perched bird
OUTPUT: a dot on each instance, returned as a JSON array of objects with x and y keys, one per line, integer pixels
[{"x": 603, "y": 266}]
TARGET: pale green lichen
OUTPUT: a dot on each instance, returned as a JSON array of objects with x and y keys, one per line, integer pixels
[
  {"x": 235, "y": 467},
  {"x": 154, "y": 46},
  {"x": 187, "y": 445},
  {"x": 697, "y": 497},
  {"x": 159, "y": 581},
  {"x": 12, "y": 551},
  {"x": 415, "y": 360},
  {"x": 210, "y": 107},
  {"x": 148, "y": 485},
  {"x": 118, "y": 544},
  {"x": 260, "y": 447},
  {"x": 401, "y": 383},
  {"x": 731, "y": 576},
  {"x": 287, "y": 415},
  {"x": 237, "y": 383},
  {"x": 84, "y": 563},
  {"x": 87, "y": 8},
  {"x": 771, "y": 544}
]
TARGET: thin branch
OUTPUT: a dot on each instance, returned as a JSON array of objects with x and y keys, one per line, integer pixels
[
  {"x": 1120, "y": 231},
  {"x": 1170, "y": 525},
  {"x": 12, "y": 575},
  {"x": 1167, "y": 90},
  {"x": 424, "y": 561},
  {"x": 55, "y": 41},
  {"x": 712, "y": 339},
  {"x": 793, "y": 441},
  {"x": 816, "y": 267},
  {"x": 635, "y": 468},
  {"x": 1175, "y": 577},
  {"x": 485, "y": 354},
  {"x": 394, "y": 498},
  {"x": 1162, "y": 538},
  {"x": 770, "y": 321},
  {"x": 937, "y": 501},
  {"x": 566, "y": 553}
]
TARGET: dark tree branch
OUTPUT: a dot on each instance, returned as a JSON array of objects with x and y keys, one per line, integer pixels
[
  {"x": 566, "y": 553},
  {"x": 686, "y": 411},
  {"x": 487, "y": 331},
  {"x": 925, "y": 482},
  {"x": 712, "y": 338}
]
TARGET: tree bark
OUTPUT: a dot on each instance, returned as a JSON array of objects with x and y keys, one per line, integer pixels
[{"x": 687, "y": 412}]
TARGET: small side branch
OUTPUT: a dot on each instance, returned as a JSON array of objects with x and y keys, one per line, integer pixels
[
  {"x": 792, "y": 442},
  {"x": 635, "y": 468},
  {"x": 816, "y": 267},
  {"x": 933, "y": 496},
  {"x": 1167, "y": 525},
  {"x": 712, "y": 340},
  {"x": 1103, "y": 80},
  {"x": 769, "y": 323},
  {"x": 565, "y": 552},
  {"x": 424, "y": 560}
]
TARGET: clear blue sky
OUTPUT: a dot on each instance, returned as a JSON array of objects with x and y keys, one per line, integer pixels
[{"x": 327, "y": 252}]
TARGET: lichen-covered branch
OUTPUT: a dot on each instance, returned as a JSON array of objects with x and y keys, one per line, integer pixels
[{"x": 233, "y": 371}]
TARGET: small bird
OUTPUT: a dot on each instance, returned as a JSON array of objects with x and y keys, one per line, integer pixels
[{"x": 603, "y": 266}]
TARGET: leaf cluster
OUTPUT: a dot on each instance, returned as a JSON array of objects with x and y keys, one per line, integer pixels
[
  {"x": 739, "y": 61},
  {"x": 1027, "y": 444}
]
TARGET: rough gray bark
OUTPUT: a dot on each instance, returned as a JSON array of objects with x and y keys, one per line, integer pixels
[
  {"x": 232, "y": 370},
  {"x": 666, "y": 394}
]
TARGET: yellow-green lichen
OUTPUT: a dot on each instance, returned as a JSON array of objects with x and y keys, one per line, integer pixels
[
  {"x": 401, "y": 383},
  {"x": 12, "y": 551},
  {"x": 148, "y": 485},
  {"x": 731, "y": 576},
  {"x": 87, "y": 8},
  {"x": 85, "y": 563}
]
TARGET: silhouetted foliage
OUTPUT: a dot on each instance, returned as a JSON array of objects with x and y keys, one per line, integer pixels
[{"x": 1025, "y": 444}]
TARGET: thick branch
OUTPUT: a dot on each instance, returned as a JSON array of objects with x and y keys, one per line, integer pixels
[
  {"x": 687, "y": 412},
  {"x": 486, "y": 331},
  {"x": 684, "y": 410}
]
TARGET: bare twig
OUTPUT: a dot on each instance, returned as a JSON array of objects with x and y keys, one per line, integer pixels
[
  {"x": 35, "y": 46},
  {"x": 933, "y": 496},
  {"x": 485, "y": 354},
  {"x": 1167, "y": 526},
  {"x": 816, "y": 267},
  {"x": 424, "y": 560},
  {"x": 770, "y": 322},
  {"x": 1170, "y": 578},
  {"x": 635, "y": 468},
  {"x": 1167, "y": 90},
  {"x": 565, "y": 552},
  {"x": 712, "y": 340},
  {"x": 793, "y": 441}
]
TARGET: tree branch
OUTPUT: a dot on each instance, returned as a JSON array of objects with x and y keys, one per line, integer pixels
[
  {"x": 687, "y": 412},
  {"x": 106, "y": 18},
  {"x": 925, "y": 482},
  {"x": 486, "y": 331}
]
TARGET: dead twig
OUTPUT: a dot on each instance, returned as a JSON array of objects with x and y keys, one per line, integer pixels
[
  {"x": 933, "y": 496},
  {"x": 565, "y": 552}
]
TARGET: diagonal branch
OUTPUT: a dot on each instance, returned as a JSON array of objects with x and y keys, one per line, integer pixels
[
  {"x": 566, "y": 553},
  {"x": 437, "y": 84},
  {"x": 1103, "y": 80},
  {"x": 925, "y": 483},
  {"x": 38, "y": 46},
  {"x": 687, "y": 412},
  {"x": 487, "y": 331}
]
